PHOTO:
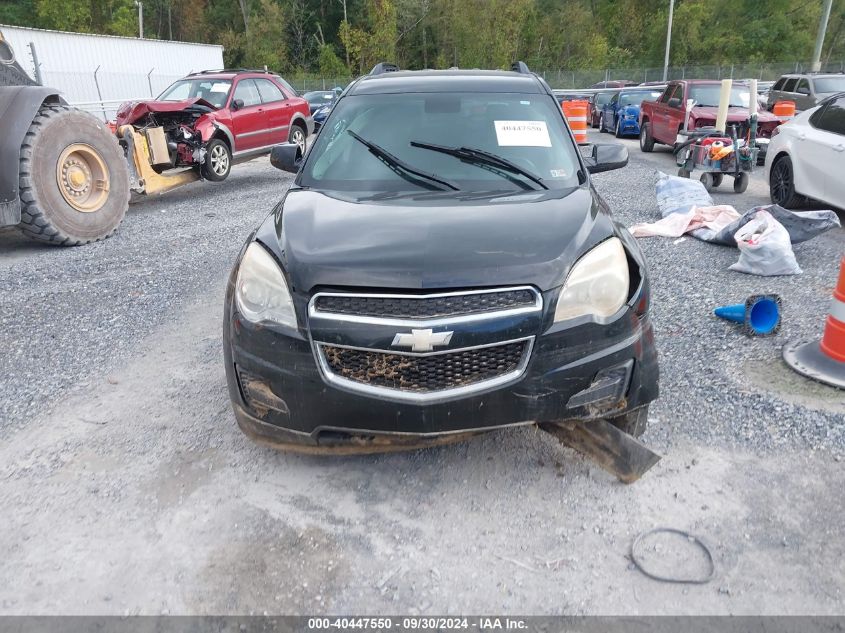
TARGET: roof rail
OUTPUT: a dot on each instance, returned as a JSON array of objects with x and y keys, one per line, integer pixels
[
  {"x": 384, "y": 67},
  {"x": 232, "y": 70},
  {"x": 520, "y": 67}
]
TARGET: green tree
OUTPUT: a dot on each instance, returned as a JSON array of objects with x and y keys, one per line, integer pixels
[{"x": 330, "y": 64}]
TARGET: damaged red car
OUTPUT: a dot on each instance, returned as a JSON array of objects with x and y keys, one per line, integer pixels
[{"x": 213, "y": 119}]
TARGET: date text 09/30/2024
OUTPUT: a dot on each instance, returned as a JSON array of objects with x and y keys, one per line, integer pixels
[{"x": 417, "y": 623}]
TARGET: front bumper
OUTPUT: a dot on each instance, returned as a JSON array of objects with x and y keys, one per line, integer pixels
[
  {"x": 280, "y": 396},
  {"x": 630, "y": 126}
]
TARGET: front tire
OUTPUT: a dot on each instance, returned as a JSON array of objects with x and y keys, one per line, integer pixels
[
  {"x": 218, "y": 161},
  {"x": 782, "y": 184},
  {"x": 646, "y": 140},
  {"x": 619, "y": 128},
  {"x": 633, "y": 422},
  {"x": 601, "y": 123},
  {"x": 297, "y": 135},
  {"x": 74, "y": 182},
  {"x": 741, "y": 182}
]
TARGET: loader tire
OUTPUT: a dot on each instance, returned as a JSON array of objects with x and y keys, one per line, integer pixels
[
  {"x": 633, "y": 422},
  {"x": 74, "y": 183}
]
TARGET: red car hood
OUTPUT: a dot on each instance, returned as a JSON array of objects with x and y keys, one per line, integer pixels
[
  {"x": 132, "y": 111},
  {"x": 734, "y": 114}
]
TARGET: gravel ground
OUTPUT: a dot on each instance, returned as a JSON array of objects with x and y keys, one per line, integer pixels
[{"x": 126, "y": 487}]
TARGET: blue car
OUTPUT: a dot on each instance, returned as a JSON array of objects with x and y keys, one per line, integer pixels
[{"x": 621, "y": 114}]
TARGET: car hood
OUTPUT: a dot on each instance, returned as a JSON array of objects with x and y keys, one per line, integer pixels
[
  {"x": 734, "y": 114},
  {"x": 531, "y": 238},
  {"x": 133, "y": 111}
]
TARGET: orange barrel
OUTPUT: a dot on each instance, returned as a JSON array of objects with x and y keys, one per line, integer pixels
[
  {"x": 784, "y": 110},
  {"x": 576, "y": 113},
  {"x": 833, "y": 341},
  {"x": 824, "y": 360}
]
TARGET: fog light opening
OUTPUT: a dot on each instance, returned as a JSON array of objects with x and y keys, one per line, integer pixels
[
  {"x": 607, "y": 390},
  {"x": 258, "y": 395}
]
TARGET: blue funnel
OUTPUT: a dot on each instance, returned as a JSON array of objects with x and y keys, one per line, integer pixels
[{"x": 760, "y": 314}]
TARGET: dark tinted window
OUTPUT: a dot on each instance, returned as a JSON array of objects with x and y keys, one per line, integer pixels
[
  {"x": 269, "y": 91},
  {"x": 667, "y": 94},
  {"x": 803, "y": 87},
  {"x": 831, "y": 117},
  {"x": 779, "y": 84},
  {"x": 247, "y": 92},
  {"x": 789, "y": 86}
]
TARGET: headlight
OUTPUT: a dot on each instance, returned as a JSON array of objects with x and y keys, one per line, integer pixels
[
  {"x": 598, "y": 283},
  {"x": 260, "y": 289}
]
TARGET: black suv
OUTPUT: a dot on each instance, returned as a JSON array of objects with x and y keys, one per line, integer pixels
[{"x": 441, "y": 266}]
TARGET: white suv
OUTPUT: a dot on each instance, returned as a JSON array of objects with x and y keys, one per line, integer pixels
[{"x": 806, "y": 156}]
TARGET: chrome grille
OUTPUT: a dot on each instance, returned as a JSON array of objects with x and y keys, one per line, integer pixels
[
  {"x": 425, "y": 373},
  {"x": 425, "y": 307}
]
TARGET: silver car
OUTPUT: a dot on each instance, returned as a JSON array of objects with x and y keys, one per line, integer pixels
[{"x": 806, "y": 90}]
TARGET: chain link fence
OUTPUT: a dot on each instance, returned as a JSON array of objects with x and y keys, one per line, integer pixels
[
  {"x": 112, "y": 88},
  {"x": 574, "y": 79}
]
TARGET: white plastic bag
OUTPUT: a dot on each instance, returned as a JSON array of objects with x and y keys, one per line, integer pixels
[
  {"x": 765, "y": 248},
  {"x": 680, "y": 195}
]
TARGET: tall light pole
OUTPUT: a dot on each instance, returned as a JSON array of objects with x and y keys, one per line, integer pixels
[
  {"x": 668, "y": 40},
  {"x": 140, "y": 5},
  {"x": 816, "y": 66}
]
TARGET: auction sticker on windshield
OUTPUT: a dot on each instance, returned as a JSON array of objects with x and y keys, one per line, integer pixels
[{"x": 522, "y": 134}]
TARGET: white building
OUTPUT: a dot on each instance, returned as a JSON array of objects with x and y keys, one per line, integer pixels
[{"x": 98, "y": 72}]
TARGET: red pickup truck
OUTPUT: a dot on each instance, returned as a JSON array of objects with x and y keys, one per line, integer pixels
[{"x": 661, "y": 121}]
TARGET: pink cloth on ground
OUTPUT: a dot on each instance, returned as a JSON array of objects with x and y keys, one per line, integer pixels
[{"x": 676, "y": 224}]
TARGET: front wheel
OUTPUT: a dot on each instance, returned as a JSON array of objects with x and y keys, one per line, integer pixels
[
  {"x": 782, "y": 184},
  {"x": 297, "y": 135},
  {"x": 618, "y": 128},
  {"x": 646, "y": 140},
  {"x": 684, "y": 173},
  {"x": 218, "y": 161},
  {"x": 741, "y": 182},
  {"x": 633, "y": 422},
  {"x": 74, "y": 183},
  {"x": 708, "y": 182},
  {"x": 601, "y": 123}
]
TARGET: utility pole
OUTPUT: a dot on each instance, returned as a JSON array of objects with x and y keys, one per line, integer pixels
[
  {"x": 816, "y": 66},
  {"x": 668, "y": 40},
  {"x": 140, "y": 5}
]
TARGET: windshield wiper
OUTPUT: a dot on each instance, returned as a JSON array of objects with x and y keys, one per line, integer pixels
[
  {"x": 484, "y": 159},
  {"x": 400, "y": 167}
]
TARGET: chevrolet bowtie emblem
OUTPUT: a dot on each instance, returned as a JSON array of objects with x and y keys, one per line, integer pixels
[{"x": 422, "y": 340}]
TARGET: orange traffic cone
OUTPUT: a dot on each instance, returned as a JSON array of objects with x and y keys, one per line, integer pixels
[{"x": 824, "y": 360}]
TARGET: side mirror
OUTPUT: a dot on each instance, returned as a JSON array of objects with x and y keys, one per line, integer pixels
[
  {"x": 606, "y": 156},
  {"x": 237, "y": 104},
  {"x": 287, "y": 157},
  {"x": 674, "y": 103}
]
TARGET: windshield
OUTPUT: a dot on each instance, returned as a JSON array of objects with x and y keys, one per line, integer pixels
[
  {"x": 829, "y": 84},
  {"x": 603, "y": 97},
  {"x": 526, "y": 130},
  {"x": 636, "y": 98},
  {"x": 215, "y": 91},
  {"x": 708, "y": 95},
  {"x": 318, "y": 97}
]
